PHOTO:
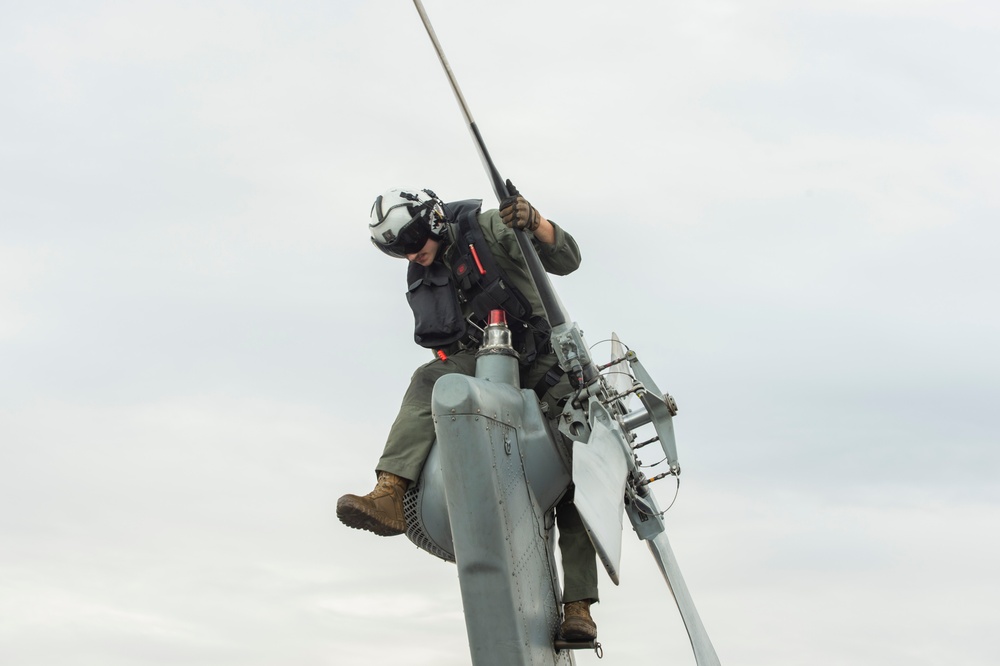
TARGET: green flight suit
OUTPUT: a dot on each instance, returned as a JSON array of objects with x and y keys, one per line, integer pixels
[{"x": 412, "y": 433}]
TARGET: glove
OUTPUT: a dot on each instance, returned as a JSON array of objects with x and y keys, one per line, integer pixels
[{"x": 516, "y": 212}]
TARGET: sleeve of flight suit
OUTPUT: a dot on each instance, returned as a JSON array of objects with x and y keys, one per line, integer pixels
[{"x": 560, "y": 258}]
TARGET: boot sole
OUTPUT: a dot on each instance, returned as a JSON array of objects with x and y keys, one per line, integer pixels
[
  {"x": 356, "y": 517},
  {"x": 577, "y": 632}
]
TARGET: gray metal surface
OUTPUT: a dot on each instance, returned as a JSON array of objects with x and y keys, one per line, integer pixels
[
  {"x": 510, "y": 587},
  {"x": 599, "y": 473},
  {"x": 547, "y": 467},
  {"x": 662, "y": 411},
  {"x": 704, "y": 652}
]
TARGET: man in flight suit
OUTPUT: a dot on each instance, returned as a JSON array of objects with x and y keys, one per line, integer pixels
[{"x": 417, "y": 226}]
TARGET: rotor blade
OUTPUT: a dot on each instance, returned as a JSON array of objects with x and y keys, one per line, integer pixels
[
  {"x": 600, "y": 469},
  {"x": 555, "y": 312},
  {"x": 619, "y": 375},
  {"x": 704, "y": 653},
  {"x": 499, "y": 187}
]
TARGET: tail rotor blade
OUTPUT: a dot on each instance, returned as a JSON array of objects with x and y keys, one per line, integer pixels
[
  {"x": 619, "y": 375},
  {"x": 704, "y": 652}
]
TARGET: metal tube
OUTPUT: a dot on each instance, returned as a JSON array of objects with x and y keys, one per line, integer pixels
[{"x": 636, "y": 418}]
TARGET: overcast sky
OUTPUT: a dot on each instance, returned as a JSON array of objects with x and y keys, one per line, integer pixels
[{"x": 788, "y": 209}]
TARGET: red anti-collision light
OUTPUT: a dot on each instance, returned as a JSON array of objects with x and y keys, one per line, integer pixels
[{"x": 498, "y": 317}]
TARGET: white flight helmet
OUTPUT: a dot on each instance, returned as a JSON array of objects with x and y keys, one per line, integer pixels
[{"x": 403, "y": 219}]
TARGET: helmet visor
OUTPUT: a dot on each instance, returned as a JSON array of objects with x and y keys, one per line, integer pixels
[{"x": 411, "y": 238}]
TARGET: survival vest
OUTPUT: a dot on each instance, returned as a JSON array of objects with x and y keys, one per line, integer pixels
[{"x": 436, "y": 293}]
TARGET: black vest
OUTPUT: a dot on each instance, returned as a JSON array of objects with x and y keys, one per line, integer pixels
[{"x": 436, "y": 293}]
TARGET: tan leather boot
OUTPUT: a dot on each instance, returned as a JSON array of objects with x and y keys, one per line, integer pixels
[
  {"x": 578, "y": 626},
  {"x": 380, "y": 511}
]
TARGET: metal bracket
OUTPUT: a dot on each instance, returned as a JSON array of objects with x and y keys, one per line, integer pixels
[{"x": 559, "y": 644}]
